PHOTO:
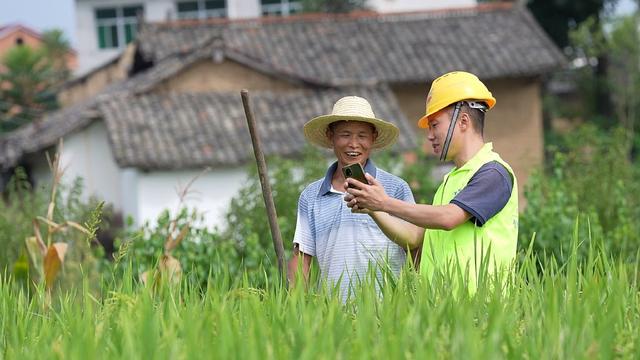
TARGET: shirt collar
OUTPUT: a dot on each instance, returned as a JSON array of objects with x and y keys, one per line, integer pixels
[{"x": 325, "y": 188}]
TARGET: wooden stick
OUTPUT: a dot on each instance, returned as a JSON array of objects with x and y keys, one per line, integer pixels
[{"x": 264, "y": 181}]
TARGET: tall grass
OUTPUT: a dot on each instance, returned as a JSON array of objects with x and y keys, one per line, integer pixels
[{"x": 579, "y": 309}]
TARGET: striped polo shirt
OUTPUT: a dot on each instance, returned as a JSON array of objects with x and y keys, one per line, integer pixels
[{"x": 346, "y": 244}]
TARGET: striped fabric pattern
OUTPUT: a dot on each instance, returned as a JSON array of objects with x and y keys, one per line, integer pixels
[{"x": 346, "y": 244}]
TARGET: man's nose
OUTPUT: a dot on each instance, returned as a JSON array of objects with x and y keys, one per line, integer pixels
[{"x": 430, "y": 134}]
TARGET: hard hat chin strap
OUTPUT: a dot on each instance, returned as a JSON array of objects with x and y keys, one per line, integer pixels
[{"x": 452, "y": 127}]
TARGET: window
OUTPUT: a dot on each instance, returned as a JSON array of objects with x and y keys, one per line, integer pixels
[
  {"x": 117, "y": 26},
  {"x": 280, "y": 7},
  {"x": 202, "y": 9}
]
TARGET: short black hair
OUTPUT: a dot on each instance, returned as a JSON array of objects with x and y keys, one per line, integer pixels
[{"x": 477, "y": 117}]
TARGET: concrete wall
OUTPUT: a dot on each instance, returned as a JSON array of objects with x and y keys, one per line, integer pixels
[
  {"x": 91, "y": 84},
  {"x": 386, "y": 6},
  {"x": 226, "y": 76},
  {"x": 514, "y": 125},
  {"x": 86, "y": 154},
  {"x": 239, "y": 9},
  {"x": 211, "y": 193},
  {"x": 90, "y": 56},
  {"x": 141, "y": 195}
]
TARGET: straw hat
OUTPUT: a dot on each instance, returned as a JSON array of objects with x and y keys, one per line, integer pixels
[{"x": 350, "y": 108}]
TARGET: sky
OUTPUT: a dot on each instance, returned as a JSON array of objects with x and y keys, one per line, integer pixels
[
  {"x": 46, "y": 14},
  {"x": 41, "y": 15}
]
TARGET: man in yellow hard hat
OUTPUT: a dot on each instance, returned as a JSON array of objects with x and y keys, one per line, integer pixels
[{"x": 474, "y": 216}]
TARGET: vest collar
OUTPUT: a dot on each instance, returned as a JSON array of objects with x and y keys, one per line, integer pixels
[{"x": 477, "y": 160}]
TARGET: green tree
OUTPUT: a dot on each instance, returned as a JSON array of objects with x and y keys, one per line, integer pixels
[
  {"x": 27, "y": 90},
  {"x": 57, "y": 47},
  {"x": 619, "y": 41},
  {"x": 558, "y": 17},
  {"x": 29, "y": 79}
]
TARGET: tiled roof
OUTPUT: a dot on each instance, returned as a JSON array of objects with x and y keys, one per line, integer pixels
[
  {"x": 182, "y": 130},
  {"x": 335, "y": 55},
  {"x": 189, "y": 130},
  {"x": 490, "y": 41},
  {"x": 44, "y": 132}
]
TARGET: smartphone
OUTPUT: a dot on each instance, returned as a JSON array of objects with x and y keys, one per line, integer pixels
[{"x": 355, "y": 171}]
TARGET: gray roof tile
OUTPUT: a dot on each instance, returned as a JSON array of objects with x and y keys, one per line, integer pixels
[
  {"x": 334, "y": 55},
  {"x": 188, "y": 130},
  {"x": 492, "y": 42}
]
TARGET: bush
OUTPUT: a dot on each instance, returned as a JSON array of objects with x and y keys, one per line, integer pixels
[
  {"x": 244, "y": 247},
  {"x": 590, "y": 178},
  {"x": 247, "y": 223},
  {"x": 140, "y": 249},
  {"x": 21, "y": 204}
]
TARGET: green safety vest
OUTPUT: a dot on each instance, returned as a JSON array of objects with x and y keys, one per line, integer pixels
[{"x": 470, "y": 248}]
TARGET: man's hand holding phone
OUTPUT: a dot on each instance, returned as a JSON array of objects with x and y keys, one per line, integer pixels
[
  {"x": 354, "y": 171},
  {"x": 364, "y": 196}
]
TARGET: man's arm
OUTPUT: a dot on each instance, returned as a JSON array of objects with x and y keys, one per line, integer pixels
[
  {"x": 298, "y": 262},
  {"x": 405, "y": 234},
  {"x": 372, "y": 198},
  {"x": 442, "y": 217}
]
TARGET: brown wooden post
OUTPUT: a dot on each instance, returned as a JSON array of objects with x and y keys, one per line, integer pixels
[{"x": 264, "y": 181}]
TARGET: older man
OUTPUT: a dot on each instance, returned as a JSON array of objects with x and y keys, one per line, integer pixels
[{"x": 346, "y": 244}]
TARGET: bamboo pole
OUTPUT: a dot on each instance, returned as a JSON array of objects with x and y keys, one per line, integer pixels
[{"x": 264, "y": 181}]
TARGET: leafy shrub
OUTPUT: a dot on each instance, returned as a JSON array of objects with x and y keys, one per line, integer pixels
[
  {"x": 21, "y": 204},
  {"x": 140, "y": 249},
  {"x": 244, "y": 246},
  {"x": 590, "y": 178}
]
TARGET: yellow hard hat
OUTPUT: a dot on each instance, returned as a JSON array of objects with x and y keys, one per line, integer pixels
[{"x": 453, "y": 87}]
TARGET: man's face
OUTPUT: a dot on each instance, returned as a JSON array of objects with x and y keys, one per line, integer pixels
[
  {"x": 352, "y": 141},
  {"x": 437, "y": 131}
]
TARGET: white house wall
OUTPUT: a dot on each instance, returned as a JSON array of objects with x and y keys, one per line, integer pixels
[
  {"x": 89, "y": 55},
  {"x": 386, "y": 6},
  {"x": 238, "y": 9},
  {"x": 211, "y": 193},
  {"x": 87, "y": 154},
  {"x": 139, "y": 194}
]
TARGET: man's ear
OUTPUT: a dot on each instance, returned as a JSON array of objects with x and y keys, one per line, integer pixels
[{"x": 464, "y": 121}]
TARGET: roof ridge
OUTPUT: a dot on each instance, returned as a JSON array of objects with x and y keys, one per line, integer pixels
[{"x": 7, "y": 28}]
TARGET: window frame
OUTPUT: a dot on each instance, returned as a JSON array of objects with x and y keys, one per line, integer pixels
[
  {"x": 282, "y": 8},
  {"x": 201, "y": 11},
  {"x": 120, "y": 23}
]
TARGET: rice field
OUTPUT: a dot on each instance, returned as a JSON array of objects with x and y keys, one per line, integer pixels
[{"x": 588, "y": 309}]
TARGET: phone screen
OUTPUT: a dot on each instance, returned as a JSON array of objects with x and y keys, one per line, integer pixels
[{"x": 355, "y": 171}]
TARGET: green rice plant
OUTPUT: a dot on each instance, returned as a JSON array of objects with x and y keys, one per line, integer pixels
[{"x": 585, "y": 307}]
